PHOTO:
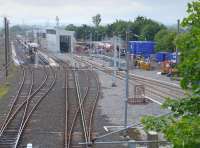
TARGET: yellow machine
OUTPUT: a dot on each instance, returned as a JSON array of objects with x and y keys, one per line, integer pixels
[
  {"x": 145, "y": 65},
  {"x": 142, "y": 63},
  {"x": 168, "y": 68}
]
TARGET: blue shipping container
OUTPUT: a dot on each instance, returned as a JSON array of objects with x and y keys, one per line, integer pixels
[
  {"x": 173, "y": 56},
  {"x": 141, "y": 47},
  {"x": 162, "y": 56}
]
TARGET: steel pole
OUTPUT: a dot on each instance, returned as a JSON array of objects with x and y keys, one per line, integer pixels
[
  {"x": 178, "y": 31},
  {"x": 127, "y": 86},
  {"x": 115, "y": 63},
  {"x": 8, "y": 42},
  {"x": 90, "y": 40},
  {"x": 119, "y": 59},
  {"x": 6, "y": 46},
  {"x": 119, "y": 52},
  {"x": 178, "y": 26}
]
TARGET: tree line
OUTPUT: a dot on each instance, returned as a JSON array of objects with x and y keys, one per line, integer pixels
[{"x": 141, "y": 28}]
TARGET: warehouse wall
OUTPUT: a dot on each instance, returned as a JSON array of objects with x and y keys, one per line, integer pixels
[
  {"x": 61, "y": 32},
  {"x": 52, "y": 43},
  {"x": 53, "y": 39}
]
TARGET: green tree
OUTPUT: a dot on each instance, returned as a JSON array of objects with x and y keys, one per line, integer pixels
[
  {"x": 150, "y": 30},
  {"x": 101, "y": 32},
  {"x": 81, "y": 32},
  {"x": 120, "y": 27},
  {"x": 146, "y": 28},
  {"x": 96, "y": 20},
  {"x": 17, "y": 29},
  {"x": 165, "y": 40},
  {"x": 71, "y": 27},
  {"x": 182, "y": 126}
]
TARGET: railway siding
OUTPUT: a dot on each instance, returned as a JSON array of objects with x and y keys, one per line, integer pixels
[{"x": 160, "y": 89}]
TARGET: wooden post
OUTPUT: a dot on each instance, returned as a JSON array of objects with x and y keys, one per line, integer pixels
[
  {"x": 131, "y": 144},
  {"x": 29, "y": 145}
]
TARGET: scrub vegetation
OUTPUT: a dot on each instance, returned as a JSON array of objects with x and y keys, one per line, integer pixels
[{"x": 182, "y": 126}]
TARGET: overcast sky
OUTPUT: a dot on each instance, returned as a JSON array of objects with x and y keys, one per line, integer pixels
[{"x": 80, "y": 11}]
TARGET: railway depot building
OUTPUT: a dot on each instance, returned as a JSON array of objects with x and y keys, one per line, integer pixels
[{"x": 59, "y": 40}]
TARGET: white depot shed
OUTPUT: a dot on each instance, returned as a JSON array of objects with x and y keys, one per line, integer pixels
[{"x": 59, "y": 40}]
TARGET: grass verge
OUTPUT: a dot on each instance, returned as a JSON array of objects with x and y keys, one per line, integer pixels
[
  {"x": 4, "y": 90},
  {"x": 6, "y": 86}
]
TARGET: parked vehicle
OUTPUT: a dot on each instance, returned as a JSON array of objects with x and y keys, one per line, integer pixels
[{"x": 122, "y": 52}]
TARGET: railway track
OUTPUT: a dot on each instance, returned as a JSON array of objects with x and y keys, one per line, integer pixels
[
  {"x": 81, "y": 100},
  {"x": 80, "y": 110},
  {"x": 92, "y": 98},
  {"x": 26, "y": 101},
  {"x": 82, "y": 93},
  {"x": 160, "y": 89},
  {"x": 3, "y": 68}
]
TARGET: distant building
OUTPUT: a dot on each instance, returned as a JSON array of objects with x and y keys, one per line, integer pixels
[
  {"x": 55, "y": 40},
  {"x": 59, "y": 40}
]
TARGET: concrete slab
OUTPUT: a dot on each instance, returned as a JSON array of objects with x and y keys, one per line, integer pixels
[{"x": 112, "y": 103}]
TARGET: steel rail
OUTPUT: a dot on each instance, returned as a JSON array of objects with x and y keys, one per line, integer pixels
[
  {"x": 62, "y": 65},
  {"x": 11, "y": 117},
  {"x": 27, "y": 104},
  {"x": 80, "y": 106},
  {"x": 75, "y": 117},
  {"x": 152, "y": 88},
  {"x": 165, "y": 84},
  {"x": 68, "y": 136},
  {"x": 26, "y": 116},
  {"x": 35, "y": 107},
  {"x": 161, "y": 92},
  {"x": 90, "y": 129},
  {"x": 6, "y": 66},
  {"x": 66, "y": 110},
  {"x": 14, "y": 101},
  {"x": 85, "y": 99},
  {"x": 152, "y": 83},
  {"x": 22, "y": 104},
  {"x": 149, "y": 88}
]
